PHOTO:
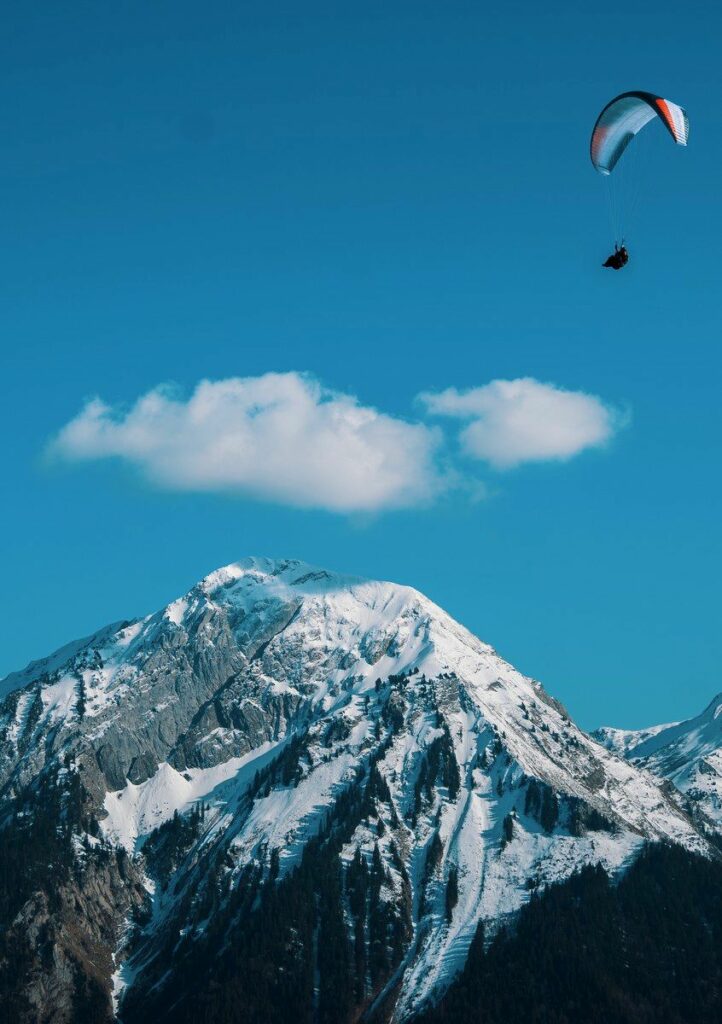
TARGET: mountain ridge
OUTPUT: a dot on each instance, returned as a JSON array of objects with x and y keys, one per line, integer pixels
[{"x": 687, "y": 754}]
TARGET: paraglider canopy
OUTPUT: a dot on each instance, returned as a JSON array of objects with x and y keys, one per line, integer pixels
[{"x": 624, "y": 117}]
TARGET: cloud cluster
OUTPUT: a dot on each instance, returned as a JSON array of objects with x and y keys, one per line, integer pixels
[
  {"x": 283, "y": 437},
  {"x": 524, "y": 420}
]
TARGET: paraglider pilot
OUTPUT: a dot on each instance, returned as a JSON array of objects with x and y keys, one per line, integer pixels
[{"x": 618, "y": 259}]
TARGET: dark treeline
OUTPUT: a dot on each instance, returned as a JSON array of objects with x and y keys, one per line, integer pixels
[
  {"x": 313, "y": 947},
  {"x": 281, "y": 953},
  {"x": 645, "y": 951},
  {"x": 166, "y": 845}
]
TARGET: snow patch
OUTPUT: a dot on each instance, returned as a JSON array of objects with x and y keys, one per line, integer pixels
[{"x": 135, "y": 811}]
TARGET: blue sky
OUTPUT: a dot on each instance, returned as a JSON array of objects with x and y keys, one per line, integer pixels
[{"x": 392, "y": 198}]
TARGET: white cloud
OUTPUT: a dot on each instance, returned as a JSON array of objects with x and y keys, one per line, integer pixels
[
  {"x": 280, "y": 437},
  {"x": 524, "y": 420}
]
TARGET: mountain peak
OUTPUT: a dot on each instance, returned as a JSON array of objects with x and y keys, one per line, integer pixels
[
  {"x": 260, "y": 566},
  {"x": 285, "y": 572}
]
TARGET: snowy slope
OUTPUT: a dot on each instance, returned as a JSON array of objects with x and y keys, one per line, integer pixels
[
  {"x": 689, "y": 754},
  {"x": 477, "y": 762},
  {"x": 622, "y": 741}
]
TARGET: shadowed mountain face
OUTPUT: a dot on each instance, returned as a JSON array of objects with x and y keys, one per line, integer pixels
[{"x": 290, "y": 791}]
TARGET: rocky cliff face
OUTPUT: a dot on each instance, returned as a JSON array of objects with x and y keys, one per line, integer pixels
[{"x": 324, "y": 772}]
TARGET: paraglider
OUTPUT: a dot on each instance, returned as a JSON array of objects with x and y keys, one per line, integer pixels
[
  {"x": 618, "y": 259},
  {"x": 616, "y": 127}
]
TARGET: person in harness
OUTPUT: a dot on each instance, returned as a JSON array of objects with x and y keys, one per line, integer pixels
[{"x": 618, "y": 259}]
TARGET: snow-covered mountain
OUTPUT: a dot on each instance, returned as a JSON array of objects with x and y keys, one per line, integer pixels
[
  {"x": 281, "y": 726},
  {"x": 622, "y": 741},
  {"x": 688, "y": 754}
]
